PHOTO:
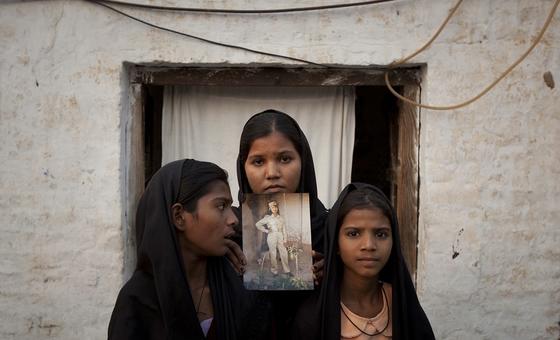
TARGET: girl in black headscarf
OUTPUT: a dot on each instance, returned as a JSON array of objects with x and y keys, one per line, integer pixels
[
  {"x": 266, "y": 164},
  {"x": 274, "y": 156},
  {"x": 367, "y": 292},
  {"x": 183, "y": 287}
]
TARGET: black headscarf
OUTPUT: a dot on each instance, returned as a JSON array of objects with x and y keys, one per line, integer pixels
[
  {"x": 307, "y": 182},
  {"x": 156, "y": 302},
  {"x": 319, "y": 316}
]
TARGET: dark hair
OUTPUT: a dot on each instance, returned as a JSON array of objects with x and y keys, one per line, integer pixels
[
  {"x": 364, "y": 198},
  {"x": 196, "y": 180},
  {"x": 265, "y": 123}
]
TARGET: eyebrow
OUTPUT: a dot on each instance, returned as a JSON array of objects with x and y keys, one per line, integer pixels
[
  {"x": 282, "y": 151},
  {"x": 360, "y": 228},
  {"x": 286, "y": 151},
  {"x": 222, "y": 198}
]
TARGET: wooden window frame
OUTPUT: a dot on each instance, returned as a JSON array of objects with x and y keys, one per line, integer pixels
[{"x": 405, "y": 132}]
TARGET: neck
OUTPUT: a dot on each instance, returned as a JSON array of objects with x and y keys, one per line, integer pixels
[
  {"x": 357, "y": 289},
  {"x": 195, "y": 267}
]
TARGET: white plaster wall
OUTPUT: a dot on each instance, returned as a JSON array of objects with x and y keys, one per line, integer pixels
[{"x": 490, "y": 169}]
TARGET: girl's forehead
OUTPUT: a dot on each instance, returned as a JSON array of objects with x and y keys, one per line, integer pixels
[
  {"x": 366, "y": 213},
  {"x": 218, "y": 188}
]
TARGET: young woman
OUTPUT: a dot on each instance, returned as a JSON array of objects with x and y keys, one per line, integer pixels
[
  {"x": 274, "y": 156},
  {"x": 183, "y": 287},
  {"x": 367, "y": 292}
]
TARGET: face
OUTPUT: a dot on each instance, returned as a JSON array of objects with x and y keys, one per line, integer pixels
[
  {"x": 207, "y": 229},
  {"x": 365, "y": 242},
  {"x": 273, "y": 206},
  {"x": 273, "y": 165}
]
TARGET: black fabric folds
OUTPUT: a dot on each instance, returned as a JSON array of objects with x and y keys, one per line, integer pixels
[
  {"x": 319, "y": 316},
  {"x": 307, "y": 183},
  {"x": 156, "y": 302}
]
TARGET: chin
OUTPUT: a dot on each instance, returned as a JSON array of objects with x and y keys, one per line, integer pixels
[
  {"x": 218, "y": 251},
  {"x": 222, "y": 252},
  {"x": 369, "y": 274}
]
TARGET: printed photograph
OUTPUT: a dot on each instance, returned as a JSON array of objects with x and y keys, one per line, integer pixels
[{"x": 277, "y": 241}]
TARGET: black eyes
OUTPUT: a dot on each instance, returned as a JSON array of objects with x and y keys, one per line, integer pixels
[
  {"x": 352, "y": 233},
  {"x": 257, "y": 162},
  {"x": 283, "y": 159},
  {"x": 378, "y": 234},
  {"x": 382, "y": 234},
  {"x": 222, "y": 206}
]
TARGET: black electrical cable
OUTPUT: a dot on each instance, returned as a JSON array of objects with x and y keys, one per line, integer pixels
[
  {"x": 101, "y": 3},
  {"x": 244, "y": 11}
]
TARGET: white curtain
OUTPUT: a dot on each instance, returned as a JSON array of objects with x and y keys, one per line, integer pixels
[{"x": 205, "y": 123}]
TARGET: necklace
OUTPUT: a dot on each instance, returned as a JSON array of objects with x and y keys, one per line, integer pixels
[
  {"x": 200, "y": 298},
  {"x": 388, "y": 316}
]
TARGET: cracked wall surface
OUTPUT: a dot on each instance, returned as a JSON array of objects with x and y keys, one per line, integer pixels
[{"x": 489, "y": 221}]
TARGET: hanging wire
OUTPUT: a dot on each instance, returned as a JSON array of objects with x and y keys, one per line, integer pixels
[
  {"x": 390, "y": 66},
  {"x": 213, "y": 42},
  {"x": 487, "y": 88},
  {"x": 242, "y": 48},
  {"x": 426, "y": 45},
  {"x": 244, "y": 11}
]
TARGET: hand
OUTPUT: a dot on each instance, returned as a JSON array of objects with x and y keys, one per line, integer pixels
[
  {"x": 318, "y": 266},
  {"x": 236, "y": 257}
]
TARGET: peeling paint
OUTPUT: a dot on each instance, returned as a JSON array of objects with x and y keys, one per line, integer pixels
[
  {"x": 39, "y": 326},
  {"x": 456, "y": 249}
]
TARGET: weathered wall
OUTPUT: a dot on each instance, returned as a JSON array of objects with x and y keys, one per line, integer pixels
[{"x": 490, "y": 178}]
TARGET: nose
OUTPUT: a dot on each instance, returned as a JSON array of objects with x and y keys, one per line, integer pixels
[
  {"x": 272, "y": 170},
  {"x": 369, "y": 242},
  {"x": 231, "y": 219}
]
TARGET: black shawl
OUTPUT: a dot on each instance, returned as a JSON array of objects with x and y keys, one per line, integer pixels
[
  {"x": 307, "y": 183},
  {"x": 319, "y": 316},
  {"x": 156, "y": 302}
]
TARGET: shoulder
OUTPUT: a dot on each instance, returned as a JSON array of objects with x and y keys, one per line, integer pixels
[
  {"x": 388, "y": 289},
  {"x": 307, "y": 319},
  {"x": 136, "y": 309},
  {"x": 265, "y": 218}
]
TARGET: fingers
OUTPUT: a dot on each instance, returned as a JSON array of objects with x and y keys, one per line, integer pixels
[
  {"x": 318, "y": 266},
  {"x": 318, "y": 277},
  {"x": 235, "y": 255},
  {"x": 237, "y": 266},
  {"x": 318, "y": 270},
  {"x": 316, "y": 256},
  {"x": 238, "y": 252}
]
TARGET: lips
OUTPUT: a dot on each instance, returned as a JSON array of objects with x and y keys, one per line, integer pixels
[
  {"x": 229, "y": 235},
  {"x": 368, "y": 259},
  {"x": 368, "y": 262},
  {"x": 274, "y": 188}
]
